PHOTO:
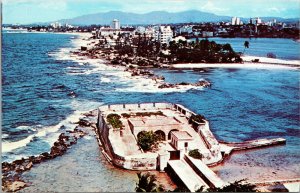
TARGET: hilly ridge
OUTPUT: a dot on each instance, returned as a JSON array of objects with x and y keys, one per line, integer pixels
[{"x": 156, "y": 17}]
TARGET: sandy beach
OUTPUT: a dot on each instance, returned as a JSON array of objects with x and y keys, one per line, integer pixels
[{"x": 265, "y": 63}]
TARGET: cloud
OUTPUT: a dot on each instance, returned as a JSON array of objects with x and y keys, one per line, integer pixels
[
  {"x": 55, "y": 5},
  {"x": 209, "y": 6},
  {"x": 276, "y": 9}
]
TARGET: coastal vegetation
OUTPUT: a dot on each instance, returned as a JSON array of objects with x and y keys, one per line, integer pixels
[
  {"x": 148, "y": 114},
  {"x": 203, "y": 51},
  {"x": 114, "y": 120},
  {"x": 142, "y": 114},
  {"x": 148, "y": 183},
  {"x": 195, "y": 154},
  {"x": 237, "y": 186},
  {"x": 144, "y": 52},
  {"x": 147, "y": 140}
]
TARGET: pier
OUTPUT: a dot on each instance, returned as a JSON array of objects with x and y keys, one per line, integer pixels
[
  {"x": 193, "y": 174},
  {"x": 229, "y": 147}
]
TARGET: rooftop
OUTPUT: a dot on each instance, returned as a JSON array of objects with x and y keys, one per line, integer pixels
[
  {"x": 182, "y": 135},
  {"x": 153, "y": 121}
]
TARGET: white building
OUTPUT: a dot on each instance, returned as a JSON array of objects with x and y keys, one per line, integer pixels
[
  {"x": 140, "y": 30},
  {"x": 56, "y": 25},
  {"x": 108, "y": 31},
  {"x": 186, "y": 29},
  {"x": 256, "y": 21},
  {"x": 182, "y": 140},
  {"x": 165, "y": 34},
  {"x": 176, "y": 39},
  {"x": 115, "y": 24},
  {"x": 235, "y": 21}
]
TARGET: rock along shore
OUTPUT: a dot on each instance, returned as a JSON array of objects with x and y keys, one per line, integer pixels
[
  {"x": 12, "y": 172},
  {"x": 136, "y": 65}
]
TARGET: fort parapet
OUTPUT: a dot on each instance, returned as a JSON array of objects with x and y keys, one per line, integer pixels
[{"x": 179, "y": 134}]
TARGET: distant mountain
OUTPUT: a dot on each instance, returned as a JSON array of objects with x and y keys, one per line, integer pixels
[{"x": 157, "y": 17}]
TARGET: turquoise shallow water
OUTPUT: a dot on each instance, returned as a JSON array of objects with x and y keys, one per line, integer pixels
[{"x": 41, "y": 92}]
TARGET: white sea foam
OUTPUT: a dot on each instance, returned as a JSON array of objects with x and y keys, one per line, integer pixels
[
  {"x": 9, "y": 146},
  {"x": 134, "y": 84},
  {"x": 43, "y": 132},
  {"x": 105, "y": 79},
  {"x": 4, "y": 135}
]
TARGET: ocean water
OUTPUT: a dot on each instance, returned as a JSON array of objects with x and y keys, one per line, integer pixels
[
  {"x": 44, "y": 91},
  {"x": 282, "y": 48}
]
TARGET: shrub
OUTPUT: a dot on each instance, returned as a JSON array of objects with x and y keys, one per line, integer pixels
[
  {"x": 195, "y": 154},
  {"x": 147, "y": 139},
  {"x": 237, "y": 186},
  {"x": 114, "y": 120},
  {"x": 125, "y": 115},
  {"x": 148, "y": 114}
]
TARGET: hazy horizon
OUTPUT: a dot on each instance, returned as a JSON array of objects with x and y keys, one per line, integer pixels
[{"x": 35, "y": 11}]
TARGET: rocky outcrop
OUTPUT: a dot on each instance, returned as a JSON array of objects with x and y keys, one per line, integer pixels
[
  {"x": 11, "y": 172},
  {"x": 167, "y": 85},
  {"x": 16, "y": 185},
  {"x": 131, "y": 63},
  {"x": 201, "y": 83}
]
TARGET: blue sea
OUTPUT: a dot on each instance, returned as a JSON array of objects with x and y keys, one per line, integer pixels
[
  {"x": 44, "y": 92},
  {"x": 287, "y": 49}
]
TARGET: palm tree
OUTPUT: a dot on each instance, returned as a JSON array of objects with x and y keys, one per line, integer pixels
[
  {"x": 147, "y": 183},
  {"x": 237, "y": 186}
]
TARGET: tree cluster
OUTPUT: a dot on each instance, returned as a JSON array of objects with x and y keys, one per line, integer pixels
[
  {"x": 114, "y": 120},
  {"x": 147, "y": 139},
  {"x": 203, "y": 51},
  {"x": 195, "y": 154}
]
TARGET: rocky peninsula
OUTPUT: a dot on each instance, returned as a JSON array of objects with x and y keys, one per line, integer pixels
[{"x": 138, "y": 58}]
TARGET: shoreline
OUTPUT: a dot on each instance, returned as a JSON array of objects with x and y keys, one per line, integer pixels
[
  {"x": 154, "y": 83},
  {"x": 83, "y": 35},
  {"x": 264, "y": 62},
  {"x": 245, "y": 65},
  {"x": 75, "y": 168}
]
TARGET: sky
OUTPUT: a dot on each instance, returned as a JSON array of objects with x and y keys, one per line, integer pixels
[{"x": 33, "y": 11}]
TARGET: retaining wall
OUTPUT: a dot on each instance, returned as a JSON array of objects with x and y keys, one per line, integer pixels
[{"x": 143, "y": 161}]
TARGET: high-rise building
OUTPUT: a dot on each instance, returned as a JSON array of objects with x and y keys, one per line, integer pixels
[
  {"x": 258, "y": 20},
  {"x": 115, "y": 24},
  {"x": 56, "y": 25},
  {"x": 165, "y": 34},
  {"x": 238, "y": 21},
  {"x": 235, "y": 21}
]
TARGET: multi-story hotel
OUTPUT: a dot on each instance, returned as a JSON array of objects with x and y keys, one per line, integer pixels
[{"x": 165, "y": 34}]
